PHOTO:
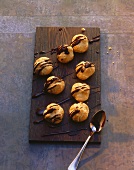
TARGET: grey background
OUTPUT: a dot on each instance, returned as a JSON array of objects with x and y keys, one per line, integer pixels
[{"x": 18, "y": 21}]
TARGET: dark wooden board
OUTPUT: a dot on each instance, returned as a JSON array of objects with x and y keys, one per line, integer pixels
[{"x": 46, "y": 39}]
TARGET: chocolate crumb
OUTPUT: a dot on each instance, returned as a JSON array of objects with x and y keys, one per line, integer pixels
[
  {"x": 42, "y": 52},
  {"x": 36, "y": 53}
]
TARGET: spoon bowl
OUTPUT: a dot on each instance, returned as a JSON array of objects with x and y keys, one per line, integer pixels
[{"x": 98, "y": 120}]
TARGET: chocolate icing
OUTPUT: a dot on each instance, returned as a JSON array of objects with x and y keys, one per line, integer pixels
[
  {"x": 55, "y": 118},
  {"x": 50, "y": 111},
  {"x": 54, "y": 105},
  {"x": 80, "y": 87},
  {"x": 76, "y": 90},
  {"x": 74, "y": 112},
  {"x": 61, "y": 49},
  {"x": 42, "y": 65},
  {"x": 51, "y": 87},
  {"x": 79, "y": 69},
  {"x": 87, "y": 64},
  {"x": 47, "y": 84},
  {"x": 83, "y": 66},
  {"x": 76, "y": 41}
]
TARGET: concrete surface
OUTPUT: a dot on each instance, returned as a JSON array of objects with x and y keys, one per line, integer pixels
[{"x": 18, "y": 21}]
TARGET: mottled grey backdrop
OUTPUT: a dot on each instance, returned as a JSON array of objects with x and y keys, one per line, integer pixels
[{"x": 18, "y": 21}]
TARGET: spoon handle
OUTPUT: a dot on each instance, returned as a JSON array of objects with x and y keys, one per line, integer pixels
[{"x": 75, "y": 162}]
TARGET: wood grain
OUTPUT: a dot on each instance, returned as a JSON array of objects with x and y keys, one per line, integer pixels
[{"x": 46, "y": 39}]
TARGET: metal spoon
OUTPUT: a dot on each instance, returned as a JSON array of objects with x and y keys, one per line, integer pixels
[{"x": 96, "y": 125}]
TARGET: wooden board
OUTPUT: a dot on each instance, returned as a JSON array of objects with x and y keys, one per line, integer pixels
[{"x": 46, "y": 39}]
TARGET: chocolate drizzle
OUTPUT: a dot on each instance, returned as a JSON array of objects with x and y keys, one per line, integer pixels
[
  {"x": 36, "y": 53},
  {"x": 63, "y": 101},
  {"x": 77, "y": 41},
  {"x": 49, "y": 82},
  {"x": 50, "y": 111},
  {"x": 42, "y": 52},
  {"x": 87, "y": 64},
  {"x": 55, "y": 118},
  {"x": 53, "y": 105},
  {"x": 73, "y": 43},
  {"x": 39, "y": 66},
  {"x": 61, "y": 49},
  {"x": 58, "y": 50},
  {"x": 79, "y": 69},
  {"x": 40, "y": 111},
  {"x": 38, "y": 94},
  {"x": 74, "y": 112},
  {"x": 94, "y": 39},
  {"x": 69, "y": 132},
  {"x": 38, "y": 121},
  {"x": 47, "y": 87},
  {"x": 51, "y": 87},
  {"x": 78, "y": 88},
  {"x": 83, "y": 66},
  {"x": 52, "y": 51}
]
